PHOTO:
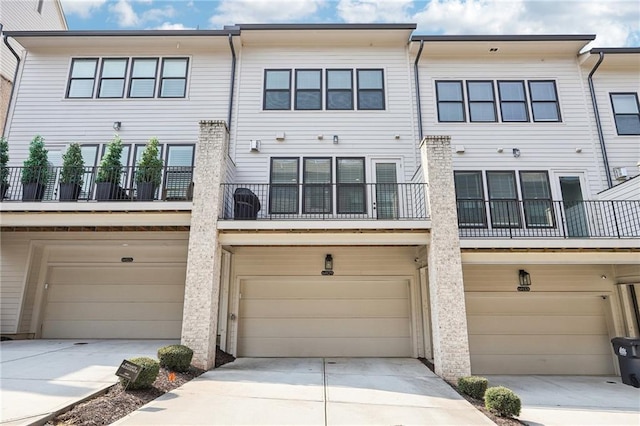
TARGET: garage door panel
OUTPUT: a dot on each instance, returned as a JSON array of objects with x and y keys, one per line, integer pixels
[
  {"x": 534, "y": 364},
  {"x": 304, "y": 308},
  {"x": 539, "y": 344},
  {"x": 113, "y": 329},
  {"x": 116, "y": 274},
  {"x": 144, "y": 311},
  {"x": 325, "y": 327},
  {"x": 324, "y": 347},
  {"x": 535, "y": 324},
  {"x": 527, "y": 304},
  {"x": 115, "y": 293},
  {"x": 322, "y": 290}
]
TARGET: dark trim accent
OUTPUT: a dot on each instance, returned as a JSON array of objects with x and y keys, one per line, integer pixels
[
  {"x": 381, "y": 89},
  {"x": 518, "y": 215},
  {"x": 416, "y": 75},
  {"x": 615, "y": 50},
  {"x": 481, "y": 201},
  {"x": 132, "y": 78},
  {"x": 362, "y": 185},
  {"x": 549, "y": 200},
  {"x": 461, "y": 102},
  {"x": 233, "y": 81},
  {"x": 123, "y": 78},
  {"x": 329, "y": 185},
  {"x": 266, "y": 27},
  {"x": 95, "y": 76},
  {"x": 162, "y": 78},
  {"x": 523, "y": 101},
  {"x": 615, "y": 115},
  {"x": 493, "y": 101},
  {"x": 13, "y": 83},
  {"x": 328, "y": 89},
  {"x": 556, "y": 101},
  {"x": 295, "y": 186},
  {"x": 634, "y": 302},
  {"x": 528, "y": 37},
  {"x": 296, "y": 90},
  {"x": 169, "y": 145},
  {"x": 127, "y": 33},
  {"x": 265, "y": 90},
  {"x": 594, "y": 103}
]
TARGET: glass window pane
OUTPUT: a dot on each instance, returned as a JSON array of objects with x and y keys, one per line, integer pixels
[
  {"x": 309, "y": 100},
  {"x": 284, "y": 199},
  {"x": 480, "y": 91},
  {"x": 511, "y": 91},
  {"x": 542, "y": 91},
  {"x": 142, "y": 88},
  {"x": 84, "y": 68},
  {"x": 534, "y": 185},
  {"x": 278, "y": 100},
  {"x": 514, "y": 111},
  {"x": 351, "y": 199},
  {"x": 114, "y": 68},
  {"x": 628, "y": 124},
  {"x": 370, "y": 100},
  {"x": 180, "y": 156},
  {"x": 449, "y": 91},
  {"x": 308, "y": 79},
  {"x": 339, "y": 100},
  {"x": 350, "y": 170},
  {"x": 450, "y": 111},
  {"x": 144, "y": 68},
  {"x": 468, "y": 185},
  {"x": 370, "y": 79},
  {"x": 317, "y": 170},
  {"x": 501, "y": 185},
  {"x": 625, "y": 104},
  {"x": 173, "y": 88},
  {"x": 284, "y": 170},
  {"x": 339, "y": 79},
  {"x": 111, "y": 88},
  {"x": 545, "y": 111},
  {"x": 482, "y": 111},
  {"x": 174, "y": 68},
  {"x": 277, "y": 80},
  {"x": 81, "y": 89}
]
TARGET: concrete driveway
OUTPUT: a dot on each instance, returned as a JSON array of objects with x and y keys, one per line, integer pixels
[
  {"x": 312, "y": 391},
  {"x": 40, "y": 377}
]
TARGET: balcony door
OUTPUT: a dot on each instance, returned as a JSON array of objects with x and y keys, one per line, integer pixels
[
  {"x": 575, "y": 217},
  {"x": 386, "y": 197}
]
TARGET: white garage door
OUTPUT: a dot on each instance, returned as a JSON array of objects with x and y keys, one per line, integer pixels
[
  {"x": 114, "y": 301},
  {"x": 542, "y": 333},
  {"x": 327, "y": 317}
]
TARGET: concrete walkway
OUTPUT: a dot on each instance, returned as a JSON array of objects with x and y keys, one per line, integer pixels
[
  {"x": 40, "y": 377},
  {"x": 312, "y": 391}
]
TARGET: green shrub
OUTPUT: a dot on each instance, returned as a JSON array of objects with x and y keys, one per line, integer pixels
[
  {"x": 4, "y": 161},
  {"x": 474, "y": 386},
  {"x": 149, "y": 168},
  {"x": 110, "y": 169},
  {"x": 36, "y": 166},
  {"x": 502, "y": 401},
  {"x": 175, "y": 357},
  {"x": 150, "y": 370},
  {"x": 72, "y": 165}
]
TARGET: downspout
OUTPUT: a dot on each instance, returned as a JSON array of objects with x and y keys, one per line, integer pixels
[
  {"x": 233, "y": 76},
  {"x": 417, "y": 82},
  {"x": 13, "y": 83},
  {"x": 603, "y": 147}
]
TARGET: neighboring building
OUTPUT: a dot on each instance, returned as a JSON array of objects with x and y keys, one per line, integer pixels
[
  {"x": 322, "y": 218},
  {"x": 19, "y": 15}
]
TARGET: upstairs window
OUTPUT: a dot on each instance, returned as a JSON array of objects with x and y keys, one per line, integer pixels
[
  {"x": 536, "y": 199},
  {"x": 351, "y": 185},
  {"x": 450, "y": 101},
  {"x": 277, "y": 89},
  {"x": 143, "y": 78},
  {"x": 544, "y": 101},
  {"x": 503, "y": 200},
  {"x": 513, "y": 101},
  {"x": 339, "y": 89},
  {"x": 482, "y": 103},
  {"x": 626, "y": 113},
  {"x": 308, "y": 89},
  {"x": 470, "y": 199},
  {"x": 112, "y": 77},
  {"x": 370, "y": 89},
  {"x": 82, "y": 78},
  {"x": 173, "y": 83},
  {"x": 317, "y": 193},
  {"x": 283, "y": 190}
]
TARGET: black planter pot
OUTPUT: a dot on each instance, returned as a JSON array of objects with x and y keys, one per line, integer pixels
[
  {"x": 69, "y": 191},
  {"x": 145, "y": 191},
  {"x": 107, "y": 191},
  {"x": 3, "y": 190},
  {"x": 32, "y": 191}
]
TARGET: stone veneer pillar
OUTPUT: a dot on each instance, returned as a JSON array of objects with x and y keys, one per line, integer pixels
[
  {"x": 446, "y": 290},
  {"x": 202, "y": 288}
]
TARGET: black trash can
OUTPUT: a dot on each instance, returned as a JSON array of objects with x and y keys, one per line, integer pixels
[
  {"x": 246, "y": 204},
  {"x": 628, "y": 351}
]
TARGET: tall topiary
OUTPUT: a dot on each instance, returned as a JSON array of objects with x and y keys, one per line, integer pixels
[
  {"x": 72, "y": 165},
  {"x": 150, "y": 165},
  {"x": 4, "y": 161},
  {"x": 110, "y": 169},
  {"x": 36, "y": 166}
]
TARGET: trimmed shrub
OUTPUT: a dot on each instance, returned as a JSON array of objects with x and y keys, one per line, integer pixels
[
  {"x": 151, "y": 368},
  {"x": 474, "y": 386},
  {"x": 502, "y": 401},
  {"x": 175, "y": 357}
]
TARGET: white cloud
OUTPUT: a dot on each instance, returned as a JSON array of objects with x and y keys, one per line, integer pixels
[
  {"x": 231, "y": 12},
  {"x": 82, "y": 8},
  {"x": 170, "y": 26},
  {"x": 124, "y": 14},
  {"x": 374, "y": 10},
  {"x": 158, "y": 14}
]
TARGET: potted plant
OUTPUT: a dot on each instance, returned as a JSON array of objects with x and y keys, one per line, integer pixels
[
  {"x": 35, "y": 173},
  {"x": 148, "y": 172},
  {"x": 71, "y": 173},
  {"x": 110, "y": 172},
  {"x": 4, "y": 170}
]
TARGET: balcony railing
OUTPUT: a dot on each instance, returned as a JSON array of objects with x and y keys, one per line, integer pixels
[
  {"x": 381, "y": 201},
  {"x": 175, "y": 185},
  {"x": 548, "y": 219}
]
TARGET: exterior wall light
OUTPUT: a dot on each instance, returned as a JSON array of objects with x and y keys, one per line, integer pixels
[
  {"x": 117, "y": 125},
  {"x": 328, "y": 265},
  {"x": 525, "y": 278},
  {"x": 516, "y": 152},
  {"x": 335, "y": 139}
]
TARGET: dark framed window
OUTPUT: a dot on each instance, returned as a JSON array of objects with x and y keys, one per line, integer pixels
[
  {"x": 112, "y": 77},
  {"x": 316, "y": 190},
  {"x": 283, "y": 188},
  {"x": 308, "y": 89},
  {"x": 626, "y": 113},
  {"x": 536, "y": 200},
  {"x": 351, "y": 186},
  {"x": 178, "y": 173},
  {"x": 503, "y": 200},
  {"x": 339, "y": 89},
  {"x": 173, "y": 80},
  {"x": 470, "y": 199},
  {"x": 82, "y": 78},
  {"x": 142, "y": 83},
  {"x": 450, "y": 101},
  {"x": 370, "y": 89},
  {"x": 482, "y": 101},
  {"x": 277, "y": 89},
  {"x": 513, "y": 101},
  {"x": 544, "y": 101}
]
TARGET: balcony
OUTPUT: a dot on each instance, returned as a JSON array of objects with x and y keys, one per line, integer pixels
[{"x": 511, "y": 219}]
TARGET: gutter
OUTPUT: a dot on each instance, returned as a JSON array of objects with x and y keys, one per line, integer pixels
[
  {"x": 594, "y": 102},
  {"x": 233, "y": 78},
  {"x": 13, "y": 83},
  {"x": 417, "y": 82}
]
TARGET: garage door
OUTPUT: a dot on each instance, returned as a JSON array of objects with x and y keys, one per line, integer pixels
[
  {"x": 538, "y": 334},
  {"x": 123, "y": 301},
  {"x": 327, "y": 317}
]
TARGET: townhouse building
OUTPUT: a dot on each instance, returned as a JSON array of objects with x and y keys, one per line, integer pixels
[{"x": 333, "y": 190}]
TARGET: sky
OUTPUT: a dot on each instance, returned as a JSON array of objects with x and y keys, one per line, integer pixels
[{"x": 616, "y": 22}]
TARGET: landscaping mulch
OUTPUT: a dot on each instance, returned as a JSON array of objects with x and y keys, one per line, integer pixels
[{"x": 117, "y": 402}]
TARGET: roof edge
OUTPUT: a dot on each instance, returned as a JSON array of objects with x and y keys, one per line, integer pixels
[
  {"x": 524, "y": 37},
  {"x": 126, "y": 33},
  {"x": 614, "y": 50},
  {"x": 266, "y": 27}
]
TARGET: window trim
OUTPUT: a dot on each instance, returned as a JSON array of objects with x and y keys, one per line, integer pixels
[
  {"x": 71, "y": 78},
  {"x": 328, "y": 90},
  {"x": 265, "y": 90},
  {"x": 363, "y": 185},
  {"x": 556, "y": 101},
  {"x": 162, "y": 79},
  {"x": 132, "y": 78},
  {"x": 549, "y": 200},
  {"x": 296, "y": 186},
  {"x": 524, "y": 101},
  {"x": 296, "y": 90},
  {"x": 461, "y": 102},
  {"x": 123, "y": 78},
  {"x": 481, "y": 200},
  {"x": 493, "y": 101},
  {"x": 613, "y": 110},
  {"x": 329, "y": 208},
  {"x": 518, "y": 213},
  {"x": 381, "y": 89}
]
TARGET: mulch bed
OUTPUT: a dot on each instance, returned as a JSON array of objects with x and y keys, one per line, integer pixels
[{"x": 116, "y": 403}]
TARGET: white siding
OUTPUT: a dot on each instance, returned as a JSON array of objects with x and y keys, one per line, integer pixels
[
  {"x": 14, "y": 251},
  {"x": 629, "y": 190}
]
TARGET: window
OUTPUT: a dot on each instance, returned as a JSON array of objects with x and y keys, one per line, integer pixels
[
  {"x": 536, "y": 199},
  {"x": 370, "y": 89},
  {"x": 503, "y": 200},
  {"x": 143, "y": 78},
  {"x": 339, "y": 89},
  {"x": 173, "y": 83},
  {"x": 308, "y": 89},
  {"x": 112, "y": 78},
  {"x": 178, "y": 172},
  {"x": 626, "y": 113},
  {"x": 450, "y": 101},
  {"x": 482, "y": 104},
  {"x": 351, "y": 185},
  {"x": 82, "y": 78},
  {"x": 277, "y": 89},
  {"x": 317, "y": 192},
  {"x": 283, "y": 191},
  {"x": 513, "y": 101},
  {"x": 470, "y": 200},
  {"x": 544, "y": 101}
]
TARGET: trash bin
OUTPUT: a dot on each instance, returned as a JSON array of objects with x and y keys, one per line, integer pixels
[
  {"x": 628, "y": 351},
  {"x": 246, "y": 204}
]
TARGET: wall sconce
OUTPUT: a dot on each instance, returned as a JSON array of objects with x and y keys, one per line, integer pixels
[
  {"x": 335, "y": 139},
  {"x": 328, "y": 265},
  {"x": 117, "y": 125},
  {"x": 525, "y": 278},
  {"x": 516, "y": 152},
  {"x": 254, "y": 146}
]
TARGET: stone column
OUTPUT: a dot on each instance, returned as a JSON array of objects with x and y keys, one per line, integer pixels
[
  {"x": 446, "y": 290},
  {"x": 202, "y": 289}
]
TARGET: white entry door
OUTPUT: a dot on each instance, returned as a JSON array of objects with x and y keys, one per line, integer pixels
[
  {"x": 571, "y": 189},
  {"x": 386, "y": 195}
]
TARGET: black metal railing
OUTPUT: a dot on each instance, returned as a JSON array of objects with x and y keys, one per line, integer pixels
[
  {"x": 381, "y": 201},
  {"x": 549, "y": 219},
  {"x": 94, "y": 183}
]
